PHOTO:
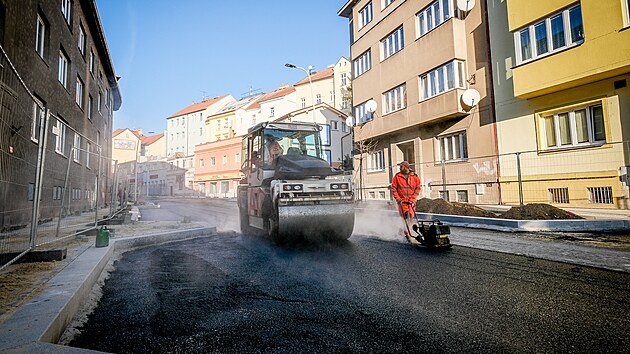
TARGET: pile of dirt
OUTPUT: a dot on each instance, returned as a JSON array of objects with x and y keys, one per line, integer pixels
[
  {"x": 441, "y": 206},
  {"x": 538, "y": 211},
  {"x": 534, "y": 211}
]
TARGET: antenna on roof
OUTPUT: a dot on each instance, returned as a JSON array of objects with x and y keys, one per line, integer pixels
[
  {"x": 204, "y": 96},
  {"x": 251, "y": 92}
]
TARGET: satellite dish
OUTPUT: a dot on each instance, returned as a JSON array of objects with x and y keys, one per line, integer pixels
[
  {"x": 470, "y": 98},
  {"x": 370, "y": 106},
  {"x": 465, "y": 5},
  {"x": 349, "y": 121}
]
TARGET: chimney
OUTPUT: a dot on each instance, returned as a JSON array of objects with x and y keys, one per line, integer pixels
[{"x": 283, "y": 86}]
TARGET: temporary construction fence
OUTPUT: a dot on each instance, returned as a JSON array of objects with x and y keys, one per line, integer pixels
[
  {"x": 47, "y": 191},
  {"x": 583, "y": 177}
]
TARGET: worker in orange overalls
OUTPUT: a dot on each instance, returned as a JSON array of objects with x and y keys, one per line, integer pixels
[{"x": 406, "y": 188}]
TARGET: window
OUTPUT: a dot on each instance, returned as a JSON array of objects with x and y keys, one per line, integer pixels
[
  {"x": 63, "y": 69},
  {"x": 365, "y": 15},
  {"x": 201, "y": 163},
  {"x": 584, "y": 126},
  {"x": 393, "y": 43},
  {"x": 433, "y": 15},
  {"x": 100, "y": 100},
  {"x": 445, "y": 78},
  {"x": 325, "y": 134},
  {"x": 200, "y": 131},
  {"x": 344, "y": 103},
  {"x": 66, "y": 10},
  {"x": 225, "y": 159},
  {"x": 226, "y": 124},
  {"x": 88, "y": 151},
  {"x": 237, "y": 157},
  {"x": 89, "y": 106},
  {"x": 76, "y": 152},
  {"x": 334, "y": 125},
  {"x": 377, "y": 161},
  {"x": 626, "y": 12},
  {"x": 40, "y": 39},
  {"x": 361, "y": 115},
  {"x": 344, "y": 127},
  {"x": 60, "y": 137},
  {"x": 559, "y": 195},
  {"x": 91, "y": 61},
  {"x": 78, "y": 97},
  {"x": 81, "y": 43},
  {"x": 37, "y": 119},
  {"x": 387, "y": 3},
  {"x": 213, "y": 161},
  {"x": 553, "y": 34},
  {"x": 462, "y": 196},
  {"x": 344, "y": 77},
  {"x": 395, "y": 99},
  {"x": 444, "y": 195},
  {"x": 363, "y": 63},
  {"x": 600, "y": 195},
  {"x": 318, "y": 98},
  {"x": 272, "y": 111},
  {"x": 303, "y": 101},
  {"x": 452, "y": 147}
]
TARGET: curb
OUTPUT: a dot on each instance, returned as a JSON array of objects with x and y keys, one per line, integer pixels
[
  {"x": 572, "y": 225},
  {"x": 38, "y": 324}
]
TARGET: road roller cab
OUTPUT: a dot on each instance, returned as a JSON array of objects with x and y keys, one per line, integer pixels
[{"x": 289, "y": 190}]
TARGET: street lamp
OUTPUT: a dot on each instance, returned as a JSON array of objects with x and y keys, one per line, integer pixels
[{"x": 308, "y": 73}]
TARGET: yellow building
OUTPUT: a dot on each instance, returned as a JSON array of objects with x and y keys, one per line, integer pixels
[{"x": 561, "y": 72}]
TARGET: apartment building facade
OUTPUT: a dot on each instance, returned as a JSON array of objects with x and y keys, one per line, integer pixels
[
  {"x": 422, "y": 92},
  {"x": 63, "y": 67},
  {"x": 188, "y": 128},
  {"x": 562, "y": 98},
  {"x": 331, "y": 86}
]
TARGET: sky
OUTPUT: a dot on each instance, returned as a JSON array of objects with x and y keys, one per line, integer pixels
[{"x": 170, "y": 54}]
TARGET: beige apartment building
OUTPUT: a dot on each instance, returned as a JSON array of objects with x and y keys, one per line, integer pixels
[{"x": 422, "y": 92}]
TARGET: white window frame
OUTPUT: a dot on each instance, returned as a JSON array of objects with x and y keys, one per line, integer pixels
[
  {"x": 88, "y": 152},
  {"x": 625, "y": 8},
  {"x": 66, "y": 10},
  {"x": 377, "y": 161},
  {"x": 60, "y": 138},
  {"x": 225, "y": 159},
  {"x": 385, "y": 3},
  {"x": 82, "y": 40},
  {"x": 91, "y": 61},
  {"x": 365, "y": 15},
  {"x": 363, "y": 63},
  {"x": 451, "y": 147},
  {"x": 64, "y": 64},
  {"x": 433, "y": 16},
  {"x": 344, "y": 78},
  {"x": 303, "y": 100},
  {"x": 76, "y": 152},
  {"x": 40, "y": 38},
  {"x": 334, "y": 125},
  {"x": 393, "y": 43},
  {"x": 569, "y": 41},
  {"x": 272, "y": 111},
  {"x": 437, "y": 81},
  {"x": 573, "y": 135},
  {"x": 318, "y": 98},
  {"x": 213, "y": 161},
  {"x": 78, "y": 96},
  {"x": 361, "y": 115},
  {"x": 201, "y": 163},
  {"x": 395, "y": 99},
  {"x": 37, "y": 119}
]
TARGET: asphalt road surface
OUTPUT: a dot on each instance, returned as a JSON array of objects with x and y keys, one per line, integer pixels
[{"x": 239, "y": 293}]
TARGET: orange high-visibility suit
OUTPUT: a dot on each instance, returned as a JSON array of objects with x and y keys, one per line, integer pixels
[{"x": 406, "y": 190}]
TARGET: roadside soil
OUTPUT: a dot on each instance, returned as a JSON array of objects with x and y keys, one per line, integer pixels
[{"x": 533, "y": 211}]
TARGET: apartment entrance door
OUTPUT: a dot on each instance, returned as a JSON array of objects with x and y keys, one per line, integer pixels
[{"x": 408, "y": 153}]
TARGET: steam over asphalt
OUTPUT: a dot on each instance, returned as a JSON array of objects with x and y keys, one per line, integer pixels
[{"x": 240, "y": 293}]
